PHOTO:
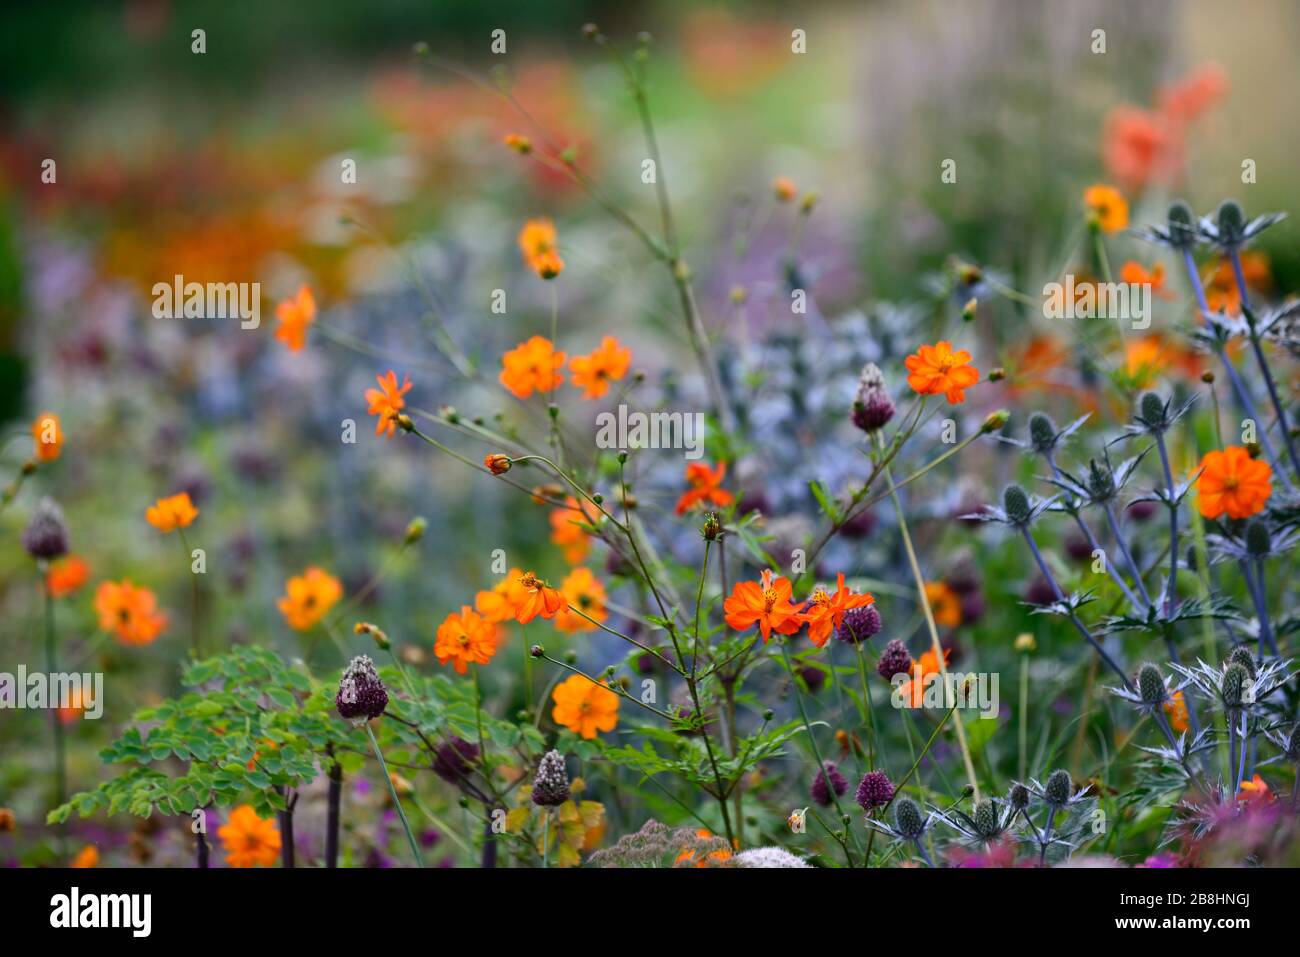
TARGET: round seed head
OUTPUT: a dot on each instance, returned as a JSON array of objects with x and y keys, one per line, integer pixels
[
  {"x": 1057, "y": 790},
  {"x": 1151, "y": 685},
  {"x": 908, "y": 820},
  {"x": 1019, "y": 797},
  {"x": 1015, "y": 501},
  {"x": 361, "y": 695},
  {"x": 551, "y": 786},
  {"x": 1240, "y": 655},
  {"x": 1042, "y": 433},
  {"x": 1235, "y": 680},
  {"x": 1258, "y": 540},
  {"x": 46, "y": 534}
]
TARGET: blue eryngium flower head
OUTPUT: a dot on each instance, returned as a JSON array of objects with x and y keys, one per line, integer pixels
[
  {"x": 1229, "y": 229},
  {"x": 1180, "y": 229},
  {"x": 1240, "y": 655},
  {"x": 1151, "y": 685},
  {"x": 1235, "y": 681},
  {"x": 908, "y": 819},
  {"x": 987, "y": 821},
  {"x": 1056, "y": 792},
  {"x": 1259, "y": 542},
  {"x": 1015, "y": 502}
]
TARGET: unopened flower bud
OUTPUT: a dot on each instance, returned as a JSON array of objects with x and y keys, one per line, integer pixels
[
  {"x": 537, "y": 651},
  {"x": 968, "y": 310},
  {"x": 497, "y": 463},
  {"x": 415, "y": 530},
  {"x": 712, "y": 528},
  {"x": 995, "y": 421}
]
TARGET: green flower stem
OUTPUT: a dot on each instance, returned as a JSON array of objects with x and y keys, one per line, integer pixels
[
  {"x": 60, "y": 748},
  {"x": 397, "y": 803}
]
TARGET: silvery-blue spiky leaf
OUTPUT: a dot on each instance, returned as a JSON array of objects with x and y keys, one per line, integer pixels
[
  {"x": 1218, "y": 608},
  {"x": 1067, "y": 605}
]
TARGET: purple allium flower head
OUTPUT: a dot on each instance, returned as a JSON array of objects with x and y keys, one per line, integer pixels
[
  {"x": 972, "y": 607},
  {"x": 874, "y": 790},
  {"x": 814, "y": 678},
  {"x": 1162, "y": 859},
  {"x": 824, "y": 780},
  {"x": 1078, "y": 548},
  {"x": 859, "y": 624},
  {"x": 1040, "y": 592},
  {"x": 894, "y": 660},
  {"x": 859, "y": 526},
  {"x": 551, "y": 786},
  {"x": 46, "y": 535},
  {"x": 1141, "y": 511},
  {"x": 362, "y": 695},
  {"x": 456, "y": 757},
  {"x": 872, "y": 408}
]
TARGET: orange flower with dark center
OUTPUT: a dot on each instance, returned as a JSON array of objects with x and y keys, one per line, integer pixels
[
  {"x": 386, "y": 402},
  {"x": 938, "y": 370},
  {"x": 1176, "y": 711},
  {"x": 532, "y": 366},
  {"x": 309, "y": 597},
  {"x": 539, "y": 599},
  {"x": 295, "y": 316},
  {"x": 593, "y": 373},
  {"x": 173, "y": 512},
  {"x": 67, "y": 575},
  {"x": 945, "y": 604},
  {"x": 1233, "y": 483},
  {"x": 250, "y": 841},
  {"x": 581, "y": 590},
  {"x": 129, "y": 612},
  {"x": 826, "y": 611},
  {"x": 567, "y": 528},
  {"x": 584, "y": 707},
  {"x": 705, "y": 487},
  {"x": 505, "y": 598},
  {"x": 766, "y": 603},
  {"x": 1135, "y": 274},
  {"x": 1107, "y": 207},
  {"x": 48, "y": 433},
  {"x": 924, "y": 670},
  {"x": 537, "y": 242},
  {"x": 465, "y": 639}
]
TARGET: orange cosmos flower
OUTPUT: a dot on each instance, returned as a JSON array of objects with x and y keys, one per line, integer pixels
[
  {"x": 48, "y": 433},
  {"x": 765, "y": 603},
  {"x": 129, "y": 612},
  {"x": 584, "y": 707},
  {"x": 582, "y": 591},
  {"x": 308, "y": 597},
  {"x": 532, "y": 366},
  {"x": 539, "y": 599},
  {"x": 1176, "y": 711},
  {"x": 1222, "y": 294},
  {"x": 826, "y": 611},
  {"x": 537, "y": 242},
  {"x": 67, "y": 575},
  {"x": 1135, "y": 274},
  {"x": 505, "y": 598},
  {"x": 1139, "y": 146},
  {"x": 1233, "y": 483},
  {"x": 386, "y": 401},
  {"x": 784, "y": 188},
  {"x": 912, "y": 691},
  {"x": 938, "y": 370},
  {"x": 595, "y": 372},
  {"x": 1107, "y": 207},
  {"x": 175, "y": 511},
  {"x": 945, "y": 604},
  {"x": 295, "y": 316},
  {"x": 86, "y": 858},
  {"x": 1255, "y": 790},
  {"x": 465, "y": 639},
  {"x": 250, "y": 841},
  {"x": 568, "y": 533},
  {"x": 705, "y": 487}
]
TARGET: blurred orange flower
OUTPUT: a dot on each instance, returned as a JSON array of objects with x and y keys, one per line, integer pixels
[
  {"x": 505, "y": 598},
  {"x": 86, "y": 858},
  {"x": 705, "y": 487},
  {"x": 1255, "y": 790},
  {"x": 48, "y": 433},
  {"x": 938, "y": 370},
  {"x": 765, "y": 603},
  {"x": 826, "y": 611},
  {"x": 1135, "y": 274},
  {"x": 74, "y": 709},
  {"x": 593, "y": 373},
  {"x": 465, "y": 639},
  {"x": 568, "y": 533},
  {"x": 1176, "y": 710},
  {"x": 1222, "y": 293},
  {"x": 173, "y": 512},
  {"x": 924, "y": 668},
  {"x": 250, "y": 841},
  {"x": 584, "y": 707},
  {"x": 1233, "y": 483},
  {"x": 945, "y": 604},
  {"x": 386, "y": 401},
  {"x": 130, "y": 612},
  {"x": 784, "y": 188},
  {"x": 67, "y": 575},
  {"x": 309, "y": 597},
  {"x": 539, "y": 599},
  {"x": 295, "y": 316},
  {"x": 581, "y": 590},
  {"x": 537, "y": 242},
  {"x": 532, "y": 366},
  {"x": 1107, "y": 207}
]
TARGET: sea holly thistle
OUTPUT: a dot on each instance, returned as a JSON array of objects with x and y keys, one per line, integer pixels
[{"x": 1229, "y": 230}]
